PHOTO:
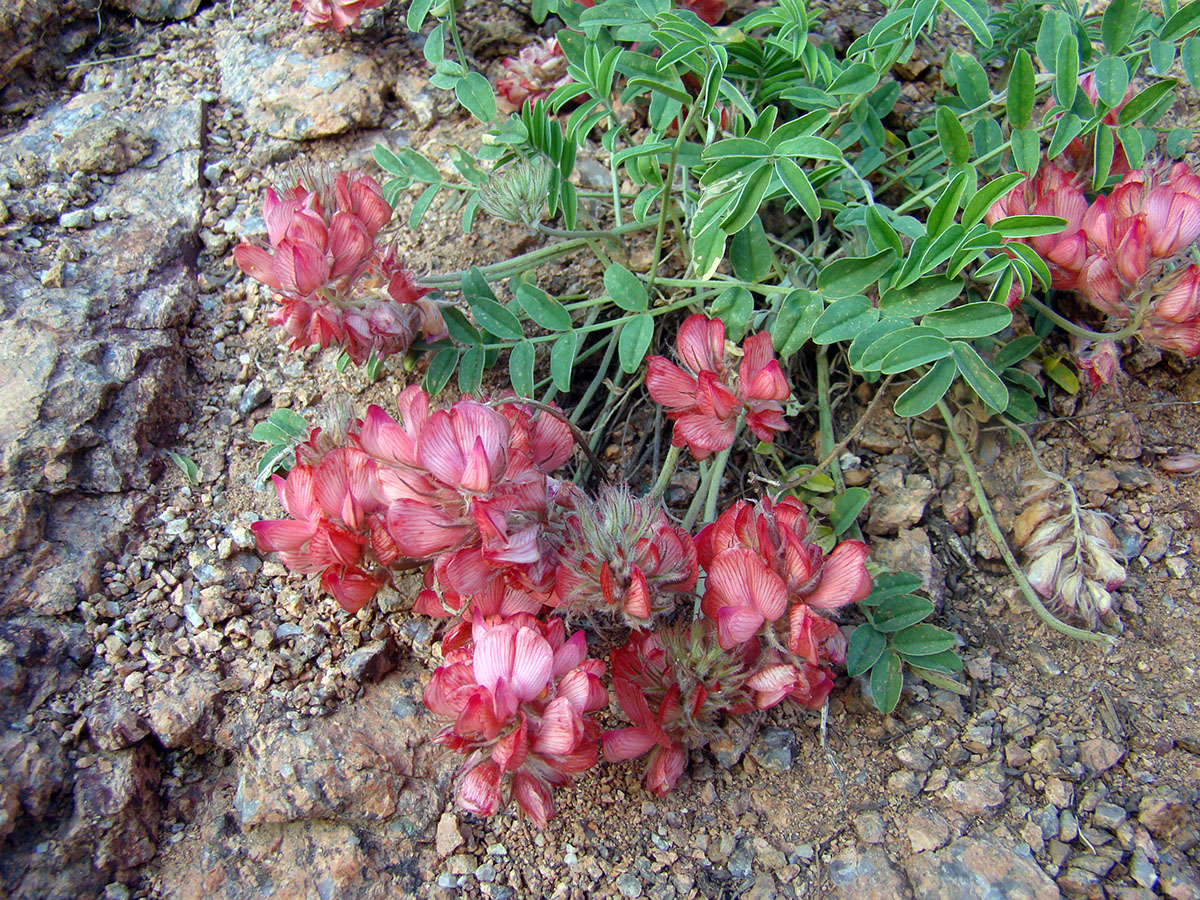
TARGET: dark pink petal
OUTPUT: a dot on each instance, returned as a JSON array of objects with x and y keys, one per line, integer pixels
[
  {"x": 736, "y": 625},
  {"x": 585, "y": 691},
  {"x": 480, "y": 789},
  {"x": 626, "y": 743},
  {"x": 665, "y": 769},
  {"x": 771, "y": 684},
  {"x": 445, "y": 695},
  {"x": 258, "y": 264},
  {"x": 533, "y": 797},
  {"x": 532, "y": 663},
  {"x": 420, "y": 530},
  {"x": 570, "y": 654},
  {"x": 493, "y": 656},
  {"x": 561, "y": 728},
  {"x": 351, "y": 588},
  {"x": 701, "y": 343},
  {"x": 287, "y": 534},
  {"x": 669, "y": 385},
  {"x": 510, "y": 752},
  {"x": 741, "y": 578}
]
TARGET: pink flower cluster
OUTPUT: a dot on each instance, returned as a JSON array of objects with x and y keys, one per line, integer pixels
[
  {"x": 508, "y": 550},
  {"x": 532, "y": 75},
  {"x": 709, "y": 396},
  {"x": 336, "y": 14},
  {"x": 1125, "y": 252},
  {"x": 333, "y": 282}
]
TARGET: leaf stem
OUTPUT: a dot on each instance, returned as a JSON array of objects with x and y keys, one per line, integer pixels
[
  {"x": 985, "y": 509},
  {"x": 664, "y": 476}
]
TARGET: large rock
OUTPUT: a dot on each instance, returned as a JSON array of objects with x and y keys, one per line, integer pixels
[
  {"x": 972, "y": 869},
  {"x": 158, "y": 10},
  {"x": 117, "y": 809},
  {"x": 183, "y": 712},
  {"x": 302, "y": 92},
  {"x": 866, "y": 873},
  {"x": 91, "y": 363}
]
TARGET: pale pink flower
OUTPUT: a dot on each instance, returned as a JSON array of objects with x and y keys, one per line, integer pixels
[
  {"x": 336, "y": 14},
  {"x": 532, "y": 75}
]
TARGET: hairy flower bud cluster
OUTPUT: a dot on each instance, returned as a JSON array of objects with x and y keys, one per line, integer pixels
[
  {"x": 707, "y": 398},
  {"x": 333, "y": 282},
  {"x": 1071, "y": 552},
  {"x": 1125, "y": 252}
]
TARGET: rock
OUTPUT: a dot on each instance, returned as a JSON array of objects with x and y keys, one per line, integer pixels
[
  {"x": 1108, "y": 815},
  {"x": 870, "y": 827},
  {"x": 973, "y": 796},
  {"x": 372, "y": 661},
  {"x": 353, "y": 766},
  {"x": 182, "y": 713},
  {"x": 117, "y": 811},
  {"x": 762, "y": 889},
  {"x": 1081, "y": 883},
  {"x": 912, "y": 552},
  {"x": 114, "y": 724},
  {"x": 33, "y": 770},
  {"x": 774, "y": 748},
  {"x": 447, "y": 838},
  {"x": 1142, "y": 870},
  {"x": 254, "y": 396},
  {"x": 866, "y": 873},
  {"x": 741, "y": 862},
  {"x": 76, "y": 218},
  {"x": 629, "y": 885},
  {"x": 974, "y": 869},
  {"x": 297, "y": 95},
  {"x": 412, "y": 90},
  {"x": 1163, "y": 814},
  {"x": 158, "y": 10},
  {"x": 1177, "y": 877},
  {"x": 902, "y": 508},
  {"x": 1100, "y": 754},
  {"x": 731, "y": 744},
  {"x": 926, "y": 830},
  {"x": 106, "y": 146}
]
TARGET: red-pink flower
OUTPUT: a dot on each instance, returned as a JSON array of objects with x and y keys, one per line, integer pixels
[
  {"x": 705, "y": 398},
  {"x": 336, "y": 14},
  {"x": 519, "y": 697},
  {"x": 1100, "y": 363},
  {"x": 622, "y": 556},
  {"x": 532, "y": 75}
]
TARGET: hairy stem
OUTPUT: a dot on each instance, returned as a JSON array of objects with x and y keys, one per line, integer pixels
[
  {"x": 985, "y": 509},
  {"x": 664, "y": 476}
]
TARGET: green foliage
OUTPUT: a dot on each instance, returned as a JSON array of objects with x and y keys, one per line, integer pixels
[{"x": 282, "y": 431}]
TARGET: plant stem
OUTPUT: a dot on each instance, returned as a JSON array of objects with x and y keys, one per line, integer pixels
[
  {"x": 714, "y": 485},
  {"x": 825, "y": 418},
  {"x": 1067, "y": 325},
  {"x": 662, "y": 216},
  {"x": 664, "y": 475},
  {"x": 985, "y": 509},
  {"x": 693, "y": 510}
]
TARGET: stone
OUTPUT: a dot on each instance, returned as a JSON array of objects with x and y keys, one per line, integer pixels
[
  {"x": 1141, "y": 869},
  {"x": 447, "y": 838},
  {"x": 255, "y": 395},
  {"x": 902, "y": 508},
  {"x": 158, "y": 10},
  {"x": 926, "y": 830},
  {"x": 1163, "y": 814},
  {"x": 1100, "y": 754},
  {"x": 114, "y": 724},
  {"x": 774, "y": 749},
  {"x": 977, "y": 869},
  {"x": 870, "y": 827},
  {"x": 76, "y": 218},
  {"x": 741, "y": 861},
  {"x": 629, "y": 885},
  {"x": 762, "y": 889},
  {"x": 1178, "y": 877},
  {"x": 33, "y": 770},
  {"x": 973, "y": 796},
  {"x": 117, "y": 810},
  {"x": 105, "y": 146},
  {"x": 299, "y": 94},
  {"x": 1081, "y": 883},
  {"x": 1108, "y": 815},
  {"x": 733, "y": 741},
  {"x": 866, "y": 873},
  {"x": 182, "y": 713},
  {"x": 372, "y": 661}
]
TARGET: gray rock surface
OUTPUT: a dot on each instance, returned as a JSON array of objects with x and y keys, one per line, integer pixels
[
  {"x": 158, "y": 10},
  {"x": 972, "y": 869}
]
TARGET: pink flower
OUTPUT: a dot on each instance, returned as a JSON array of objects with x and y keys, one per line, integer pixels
[
  {"x": 1051, "y": 192},
  {"x": 709, "y": 11},
  {"x": 622, "y": 556},
  {"x": 532, "y": 75},
  {"x": 1100, "y": 364},
  {"x": 519, "y": 696},
  {"x": 705, "y": 399},
  {"x": 336, "y": 14}
]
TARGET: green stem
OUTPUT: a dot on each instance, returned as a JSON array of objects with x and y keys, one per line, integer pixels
[
  {"x": 985, "y": 509},
  {"x": 693, "y": 510},
  {"x": 662, "y": 216},
  {"x": 1067, "y": 325},
  {"x": 714, "y": 485},
  {"x": 825, "y": 417},
  {"x": 664, "y": 476}
]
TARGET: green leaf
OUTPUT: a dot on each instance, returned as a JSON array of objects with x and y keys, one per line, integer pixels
[
  {"x": 794, "y": 322},
  {"x": 520, "y": 368},
  {"x": 543, "y": 309},
  {"x": 459, "y": 328},
  {"x": 927, "y": 391},
  {"x": 1066, "y": 71},
  {"x": 422, "y": 205},
  {"x": 1029, "y": 226},
  {"x": 916, "y": 352},
  {"x": 1189, "y": 57},
  {"x": 470, "y": 370},
  {"x": 495, "y": 317},
  {"x": 1016, "y": 350},
  {"x": 562, "y": 360},
  {"x": 921, "y": 296},
  {"x": 1056, "y": 25},
  {"x": 742, "y": 148},
  {"x": 1185, "y": 20},
  {"x": 970, "y": 79},
  {"x": 441, "y": 367},
  {"x": 754, "y": 188},
  {"x": 1026, "y": 151},
  {"x": 865, "y": 647},
  {"x": 475, "y": 93},
  {"x": 891, "y": 584},
  {"x": 807, "y": 146},
  {"x": 973, "y": 18},
  {"x": 987, "y": 195},
  {"x": 846, "y": 507},
  {"x": 900, "y": 612},
  {"x": 634, "y": 341},
  {"x": 887, "y": 676},
  {"x": 1061, "y": 374},
  {"x": 1118, "y": 23},
  {"x": 750, "y": 254},
  {"x": 1179, "y": 140},
  {"x": 625, "y": 288},
  {"x": 980, "y": 377},
  {"x": 1146, "y": 102},
  {"x": 843, "y": 319},
  {"x": 868, "y": 337},
  {"x": 1102, "y": 155},
  {"x": 942, "y": 215},
  {"x": 800, "y": 188},
  {"x": 845, "y": 277},
  {"x": 881, "y": 231},
  {"x": 1112, "y": 79},
  {"x": 922, "y": 640},
  {"x": 947, "y": 661},
  {"x": 186, "y": 465},
  {"x": 417, "y": 11},
  {"x": 734, "y": 306},
  {"x": 1162, "y": 55},
  {"x": 871, "y": 356},
  {"x": 952, "y": 137},
  {"x": 971, "y": 320},
  {"x": 1022, "y": 90}
]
